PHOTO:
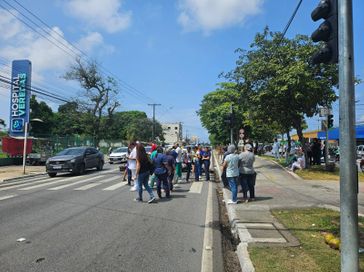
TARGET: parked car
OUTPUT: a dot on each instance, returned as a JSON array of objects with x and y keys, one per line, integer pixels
[
  {"x": 119, "y": 155},
  {"x": 75, "y": 160}
]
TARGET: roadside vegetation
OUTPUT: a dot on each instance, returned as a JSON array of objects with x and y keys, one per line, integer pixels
[{"x": 310, "y": 226}]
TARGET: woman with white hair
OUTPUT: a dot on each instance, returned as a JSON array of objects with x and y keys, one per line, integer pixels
[
  {"x": 231, "y": 164},
  {"x": 247, "y": 172}
]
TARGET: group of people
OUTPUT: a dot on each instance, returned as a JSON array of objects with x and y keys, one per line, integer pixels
[
  {"x": 238, "y": 169},
  {"x": 164, "y": 167}
]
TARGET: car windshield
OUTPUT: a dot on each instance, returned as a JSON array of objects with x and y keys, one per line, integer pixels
[
  {"x": 121, "y": 150},
  {"x": 71, "y": 151}
]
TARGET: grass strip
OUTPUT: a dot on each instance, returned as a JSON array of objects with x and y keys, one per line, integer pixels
[{"x": 309, "y": 226}]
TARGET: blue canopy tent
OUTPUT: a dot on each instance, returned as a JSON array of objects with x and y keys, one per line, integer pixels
[{"x": 334, "y": 133}]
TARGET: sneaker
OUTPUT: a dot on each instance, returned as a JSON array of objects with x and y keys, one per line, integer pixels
[
  {"x": 232, "y": 202},
  {"x": 151, "y": 200},
  {"x": 138, "y": 199}
]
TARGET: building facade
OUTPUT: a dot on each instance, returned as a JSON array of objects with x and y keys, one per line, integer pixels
[{"x": 172, "y": 132}]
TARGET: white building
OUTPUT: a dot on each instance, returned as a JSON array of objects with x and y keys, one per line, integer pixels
[{"x": 172, "y": 132}]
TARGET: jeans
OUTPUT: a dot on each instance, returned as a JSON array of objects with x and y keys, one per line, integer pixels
[
  {"x": 200, "y": 168},
  {"x": 206, "y": 166},
  {"x": 170, "y": 181},
  {"x": 129, "y": 176},
  {"x": 233, "y": 183},
  {"x": 188, "y": 168},
  {"x": 197, "y": 171},
  {"x": 247, "y": 182},
  {"x": 162, "y": 179},
  {"x": 143, "y": 179}
]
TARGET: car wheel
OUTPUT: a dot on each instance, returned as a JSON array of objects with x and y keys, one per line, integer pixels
[
  {"x": 52, "y": 175},
  {"x": 100, "y": 165},
  {"x": 81, "y": 170}
]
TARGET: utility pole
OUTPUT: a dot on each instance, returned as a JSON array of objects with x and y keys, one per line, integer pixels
[
  {"x": 348, "y": 169},
  {"x": 153, "y": 131}
]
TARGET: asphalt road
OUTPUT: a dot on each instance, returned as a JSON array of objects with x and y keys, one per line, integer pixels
[{"x": 91, "y": 223}]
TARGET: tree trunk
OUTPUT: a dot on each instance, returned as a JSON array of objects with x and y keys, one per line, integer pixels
[{"x": 288, "y": 151}]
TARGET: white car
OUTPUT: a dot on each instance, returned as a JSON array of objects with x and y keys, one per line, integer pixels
[{"x": 119, "y": 155}]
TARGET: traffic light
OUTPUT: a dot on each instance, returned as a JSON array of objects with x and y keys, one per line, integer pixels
[
  {"x": 327, "y": 32},
  {"x": 330, "y": 121}
]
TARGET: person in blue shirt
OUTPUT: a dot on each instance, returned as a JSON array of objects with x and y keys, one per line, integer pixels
[
  {"x": 206, "y": 155},
  {"x": 162, "y": 170}
]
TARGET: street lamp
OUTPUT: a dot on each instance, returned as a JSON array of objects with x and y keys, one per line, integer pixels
[{"x": 26, "y": 138}]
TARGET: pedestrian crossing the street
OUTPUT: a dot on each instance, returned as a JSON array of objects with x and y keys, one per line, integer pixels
[{"x": 105, "y": 181}]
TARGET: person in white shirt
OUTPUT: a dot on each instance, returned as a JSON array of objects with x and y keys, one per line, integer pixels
[
  {"x": 178, "y": 150},
  {"x": 275, "y": 149},
  {"x": 132, "y": 165}
]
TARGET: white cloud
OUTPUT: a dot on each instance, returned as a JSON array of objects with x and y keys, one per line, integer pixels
[
  {"x": 209, "y": 15},
  {"x": 46, "y": 57},
  {"x": 104, "y": 14}
]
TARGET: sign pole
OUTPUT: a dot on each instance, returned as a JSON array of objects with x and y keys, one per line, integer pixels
[{"x": 25, "y": 146}]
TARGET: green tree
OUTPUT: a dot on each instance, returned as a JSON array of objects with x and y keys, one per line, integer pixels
[
  {"x": 40, "y": 110},
  {"x": 70, "y": 120},
  {"x": 215, "y": 109},
  {"x": 282, "y": 83},
  {"x": 99, "y": 94}
]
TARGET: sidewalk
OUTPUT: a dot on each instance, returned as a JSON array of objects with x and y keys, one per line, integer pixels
[
  {"x": 16, "y": 171},
  {"x": 253, "y": 222}
]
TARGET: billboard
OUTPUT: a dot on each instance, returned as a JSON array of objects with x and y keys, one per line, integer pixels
[{"x": 20, "y": 96}]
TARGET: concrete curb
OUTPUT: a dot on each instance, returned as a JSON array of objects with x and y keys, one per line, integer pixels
[
  {"x": 237, "y": 229},
  {"x": 22, "y": 177},
  {"x": 285, "y": 169}
]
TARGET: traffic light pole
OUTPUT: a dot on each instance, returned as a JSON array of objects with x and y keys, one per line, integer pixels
[
  {"x": 231, "y": 125},
  {"x": 327, "y": 142},
  {"x": 348, "y": 178}
]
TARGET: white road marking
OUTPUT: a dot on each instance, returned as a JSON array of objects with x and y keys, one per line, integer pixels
[
  {"x": 196, "y": 187},
  {"x": 27, "y": 184},
  {"x": 207, "y": 250},
  {"x": 7, "y": 197},
  {"x": 111, "y": 170},
  {"x": 48, "y": 183},
  {"x": 22, "y": 181},
  {"x": 88, "y": 186},
  {"x": 75, "y": 183},
  {"x": 115, "y": 186}
]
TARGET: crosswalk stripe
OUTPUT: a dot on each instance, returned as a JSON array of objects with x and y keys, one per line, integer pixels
[
  {"x": 111, "y": 170},
  {"x": 89, "y": 186},
  {"x": 115, "y": 186},
  {"x": 196, "y": 187},
  {"x": 48, "y": 183},
  {"x": 7, "y": 197},
  {"x": 75, "y": 183},
  {"x": 22, "y": 181},
  {"x": 26, "y": 184}
]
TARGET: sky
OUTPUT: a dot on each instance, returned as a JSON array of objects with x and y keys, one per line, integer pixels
[{"x": 161, "y": 51}]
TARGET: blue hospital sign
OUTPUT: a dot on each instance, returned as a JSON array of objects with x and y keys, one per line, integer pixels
[{"x": 20, "y": 96}]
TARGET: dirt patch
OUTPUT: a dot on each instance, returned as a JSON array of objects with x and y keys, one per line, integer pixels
[{"x": 229, "y": 243}]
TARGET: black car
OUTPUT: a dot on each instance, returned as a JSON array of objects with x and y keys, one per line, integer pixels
[{"x": 75, "y": 160}]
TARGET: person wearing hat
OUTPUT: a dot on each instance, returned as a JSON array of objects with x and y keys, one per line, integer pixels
[
  {"x": 247, "y": 173},
  {"x": 231, "y": 164}
]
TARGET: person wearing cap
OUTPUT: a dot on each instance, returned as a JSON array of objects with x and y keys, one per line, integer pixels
[
  {"x": 231, "y": 164},
  {"x": 247, "y": 173}
]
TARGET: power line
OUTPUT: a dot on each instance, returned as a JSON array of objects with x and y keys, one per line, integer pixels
[
  {"x": 69, "y": 47},
  {"x": 291, "y": 19}
]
